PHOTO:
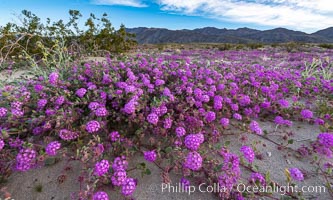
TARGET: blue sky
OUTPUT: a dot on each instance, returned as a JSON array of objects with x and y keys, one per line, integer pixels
[{"x": 303, "y": 15}]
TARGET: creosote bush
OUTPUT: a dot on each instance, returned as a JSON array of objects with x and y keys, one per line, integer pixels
[{"x": 32, "y": 40}]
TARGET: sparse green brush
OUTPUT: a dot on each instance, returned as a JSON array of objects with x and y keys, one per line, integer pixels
[
  {"x": 53, "y": 43},
  {"x": 326, "y": 46},
  {"x": 255, "y": 45}
]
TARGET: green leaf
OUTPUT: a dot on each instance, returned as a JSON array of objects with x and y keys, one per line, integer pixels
[
  {"x": 267, "y": 177},
  {"x": 218, "y": 168},
  {"x": 291, "y": 141},
  {"x": 256, "y": 167},
  {"x": 168, "y": 149},
  {"x": 5, "y": 94},
  {"x": 148, "y": 172},
  {"x": 141, "y": 165},
  {"x": 50, "y": 161},
  {"x": 218, "y": 146},
  {"x": 227, "y": 143}
]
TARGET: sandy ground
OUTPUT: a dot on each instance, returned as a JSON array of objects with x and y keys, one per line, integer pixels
[{"x": 22, "y": 186}]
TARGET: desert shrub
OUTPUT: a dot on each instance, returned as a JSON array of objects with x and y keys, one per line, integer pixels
[
  {"x": 255, "y": 45},
  {"x": 225, "y": 47},
  {"x": 31, "y": 39},
  {"x": 292, "y": 46},
  {"x": 326, "y": 46}
]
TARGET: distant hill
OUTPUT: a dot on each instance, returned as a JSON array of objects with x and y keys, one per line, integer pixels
[
  {"x": 242, "y": 35},
  {"x": 326, "y": 33}
]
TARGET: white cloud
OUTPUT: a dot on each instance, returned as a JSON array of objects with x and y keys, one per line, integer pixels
[
  {"x": 132, "y": 3},
  {"x": 305, "y": 15}
]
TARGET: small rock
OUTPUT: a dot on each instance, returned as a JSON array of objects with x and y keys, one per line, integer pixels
[
  {"x": 288, "y": 161},
  {"x": 269, "y": 154}
]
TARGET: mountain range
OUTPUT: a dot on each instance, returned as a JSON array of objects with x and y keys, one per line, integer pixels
[{"x": 215, "y": 35}]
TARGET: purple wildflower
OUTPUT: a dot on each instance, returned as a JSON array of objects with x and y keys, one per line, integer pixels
[
  {"x": 167, "y": 123},
  {"x": 101, "y": 167},
  {"x": 17, "y": 105},
  {"x": 279, "y": 120},
  {"x": 152, "y": 118},
  {"x": 16, "y": 143},
  {"x": 53, "y": 78},
  {"x": 93, "y": 105},
  {"x": 38, "y": 87},
  {"x": 114, "y": 135},
  {"x": 101, "y": 112},
  {"x": 326, "y": 139},
  {"x": 3, "y": 112},
  {"x": 234, "y": 107},
  {"x": 185, "y": 184},
  {"x": 119, "y": 177},
  {"x": 205, "y": 98},
  {"x": 163, "y": 110},
  {"x": 41, "y": 103},
  {"x": 283, "y": 103},
  {"x": 193, "y": 161},
  {"x": 2, "y": 144},
  {"x": 17, "y": 113},
  {"x": 319, "y": 121},
  {"x": 150, "y": 155},
  {"x": 60, "y": 100},
  {"x": 120, "y": 163},
  {"x": 50, "y": 112},
  {"x": 296, "y": 174},
  {"x": 210, "y": 116},
  {"x": 257, "y": 178},
  {"x": 129, "y": 107},
  {"x": 193, "y": 141},
  {"x": 180, "y": 131},
  {"x": 68, "y": 135},
  {"x": 218, "y": 102},
  {"x": 306, "y": 114},
  {"x": 128, "y": 187},
  {"x": 93, "y": 126},
  {"x": 254, "y": 126},
  {"x": 248, "y": 153},
  {"x": 81, "y": 92},
  {"x": 52, "y": 148},
  {"x": 237, "y": 116},
  {"x": 100, "y": 196},
  {"x": 224, "y": 122},
  {"x": 25, "y": 159}
]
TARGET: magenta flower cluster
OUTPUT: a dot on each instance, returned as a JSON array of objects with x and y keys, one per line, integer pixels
[
  {"x": 193, "y": 141},
  {"x": 150, "y": 155},
  {"x": 296, "y": 174},
  {"x": 93, "y": 126},
  {"x": 25, "y": 159},
  {"x": 101, "y": 167},
  {"x": 68, "y": 135},
  {"x": 100, "y": 196},
  {"x": 193, "y": 161},
  {"x": 248, "y": 153},
  {"x": 152, "y": 118},
  {"x": 255, "y": 127},
  {"x": 52, "y": 147}
]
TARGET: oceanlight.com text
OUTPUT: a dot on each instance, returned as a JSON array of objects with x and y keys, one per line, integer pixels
[{"x": 216, "y": 188}]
